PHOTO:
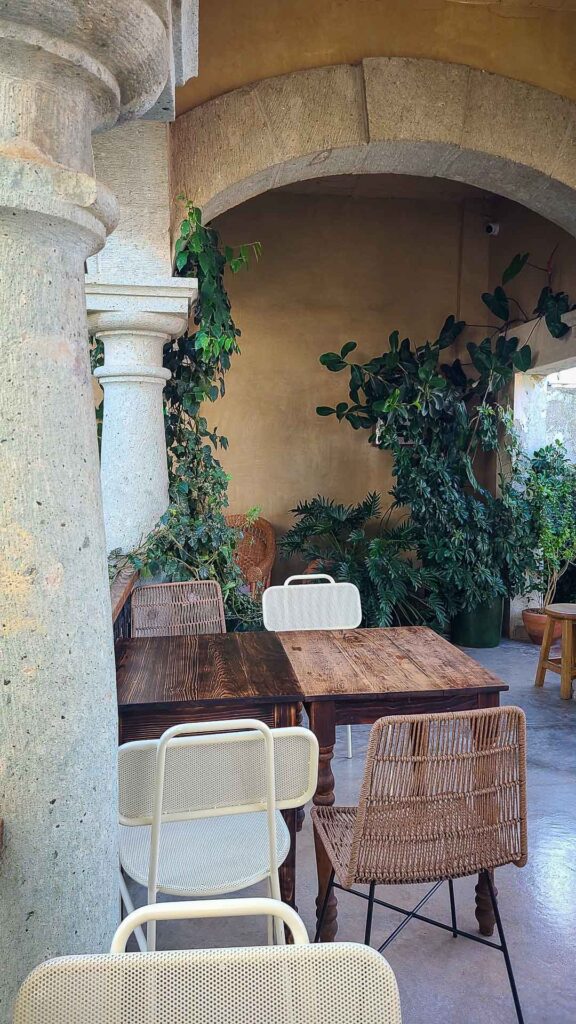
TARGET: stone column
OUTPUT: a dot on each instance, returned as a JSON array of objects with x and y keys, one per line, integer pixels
[
  {"x": 135, "y": 322},
  {"x": 65, "y": 69}
]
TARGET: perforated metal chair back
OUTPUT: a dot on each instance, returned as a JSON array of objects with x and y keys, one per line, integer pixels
[
  {"x": 222, "y": 773},
  {"x": 337, "y": 983},
  {"x": 178, "y": 609},
  {"x": 317, "y": 602},
  {"x": 443, "y": 796}
]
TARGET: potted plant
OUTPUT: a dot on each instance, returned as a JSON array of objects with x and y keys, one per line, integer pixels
[
  {"x": 551, "y": 492},
  {"x": 354, "y": 543}
]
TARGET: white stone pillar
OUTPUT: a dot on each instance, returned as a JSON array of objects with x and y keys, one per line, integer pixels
[
  {"x": 65, "y": 69},
  {"x": 135, "y": 322}
]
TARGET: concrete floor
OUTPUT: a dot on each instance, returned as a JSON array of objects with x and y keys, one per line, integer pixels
[{"x": 447, "y": 981}]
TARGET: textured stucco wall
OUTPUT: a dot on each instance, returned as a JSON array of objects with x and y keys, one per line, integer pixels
[{"x": 333, "y": 269}]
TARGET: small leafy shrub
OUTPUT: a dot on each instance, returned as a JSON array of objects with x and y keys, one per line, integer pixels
[{"x": 551, "y": 492}]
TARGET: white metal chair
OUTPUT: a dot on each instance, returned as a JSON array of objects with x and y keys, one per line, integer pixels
[
  {"x": 323, "y": 605},
  {"x": 334, "y": 983},
  {"x": 200, "y": 808}
]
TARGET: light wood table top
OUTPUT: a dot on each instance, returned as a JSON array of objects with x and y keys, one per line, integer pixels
[{"x": 350, "y": 663}]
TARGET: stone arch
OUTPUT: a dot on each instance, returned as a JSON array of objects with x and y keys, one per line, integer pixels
[{"x": 396, "y": 115}]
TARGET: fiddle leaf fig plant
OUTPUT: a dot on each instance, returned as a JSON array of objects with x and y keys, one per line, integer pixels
[{"x": 438, "y": 417}]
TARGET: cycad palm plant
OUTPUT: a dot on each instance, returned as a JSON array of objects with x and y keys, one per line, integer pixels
[{"x": 355, "y": 543}]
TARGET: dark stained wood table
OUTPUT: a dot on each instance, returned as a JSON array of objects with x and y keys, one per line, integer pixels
[
  {"x": 163, "y": 681},
  {"x": 342, "y": 677}
]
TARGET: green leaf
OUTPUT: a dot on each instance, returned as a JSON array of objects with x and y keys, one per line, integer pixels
[
  {"x": 347, "y": 348},
  {"x": 332, "y": 361},
  {"x": 497, "y": 303},
  {"x": 325, "y": 410},
  {"x": 522, "y": 359},
  {"x": 181, "y": 260},
  {"x": 515, "y": 266}
]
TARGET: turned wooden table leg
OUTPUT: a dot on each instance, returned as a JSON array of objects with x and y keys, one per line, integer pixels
[
  {"x": 287, "y": 870},
  {"x": 323, "y": 725},
  {"x": 484, "y": 911},
  {"x": 300, "y": 811}
]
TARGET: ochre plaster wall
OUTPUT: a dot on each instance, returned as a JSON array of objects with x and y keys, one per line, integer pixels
[
  {"x": 334, "y": 268},
  {"x": 243, "y": 41}
]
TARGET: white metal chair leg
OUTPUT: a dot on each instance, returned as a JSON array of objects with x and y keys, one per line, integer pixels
[
  {"x": 348, "y": 741},
  {"x": 269, "y": 920},
  {"x": 151, "y": 925},
  {"x": 127, "y": 901}
]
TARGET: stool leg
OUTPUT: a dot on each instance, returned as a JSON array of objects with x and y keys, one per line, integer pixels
[
  {"x": 544, "y": 651},
  {"x": 567, "y": 659}
]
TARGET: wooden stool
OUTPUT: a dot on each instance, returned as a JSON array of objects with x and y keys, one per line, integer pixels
[{"x": 564, "y": 665}]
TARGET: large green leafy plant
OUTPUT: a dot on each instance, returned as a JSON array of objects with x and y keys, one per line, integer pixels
[
  {"x": 438, "y": 419},
  {"x": 352, "y": 542},
  {"x": 192, "y": 539},
  {"x": 551, "y": 491}
]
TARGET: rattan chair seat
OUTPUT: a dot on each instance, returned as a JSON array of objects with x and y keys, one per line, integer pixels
[{"x": 205, "y": 856}]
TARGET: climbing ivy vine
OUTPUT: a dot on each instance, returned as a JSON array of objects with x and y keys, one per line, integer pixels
[{"x": 192, "y": 539}]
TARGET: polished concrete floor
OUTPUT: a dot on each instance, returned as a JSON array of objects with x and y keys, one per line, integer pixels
[{"x": 448, "y": 981}]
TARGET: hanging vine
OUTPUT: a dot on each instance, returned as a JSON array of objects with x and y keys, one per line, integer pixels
[{"x": 192, "y": 539}]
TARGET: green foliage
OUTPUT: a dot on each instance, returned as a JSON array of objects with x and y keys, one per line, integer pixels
[
  {"x": 192, "y": 539},
  {"x": 438, "y": 419},
  {"x": 96, "y": 360},
  {"x": 351, "y": 543},
  {"x": 551, "y": 490}
]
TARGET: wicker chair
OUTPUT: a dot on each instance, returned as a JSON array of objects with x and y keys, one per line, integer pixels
[
  {"x": 255, "y": 552},
  {"x": 329, "y": 984},
  {"x": 178, "y": 609},
  {"x": 443, "y": 796}
]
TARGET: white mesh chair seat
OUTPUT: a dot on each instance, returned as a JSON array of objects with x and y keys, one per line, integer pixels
[{"x": 205, "y": 856}]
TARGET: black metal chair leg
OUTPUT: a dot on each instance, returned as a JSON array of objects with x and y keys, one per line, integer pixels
[
  {"x": 369, "y": 912},
  {"x": 452, "y": 908},
  {"x": 504, "y": 948},
  {"x": 324, "y": 906}
]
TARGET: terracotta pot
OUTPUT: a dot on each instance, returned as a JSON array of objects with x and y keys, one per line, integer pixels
[{"x": 534, "y": 623}]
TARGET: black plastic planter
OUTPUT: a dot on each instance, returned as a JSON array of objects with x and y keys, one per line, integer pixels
[{"x": 481, "y": 627}]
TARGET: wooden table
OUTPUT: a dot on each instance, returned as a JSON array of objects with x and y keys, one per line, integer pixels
[{"x": 342, "y": 677}]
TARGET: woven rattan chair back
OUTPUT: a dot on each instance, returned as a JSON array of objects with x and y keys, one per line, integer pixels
[
  {"x": 336, "y": 983},
  {"x": 311, "y": 605},
  {"x": 443, "y": 796},
  {"x": 255, "y": 552},
  {"x": 178, "y": 609}
]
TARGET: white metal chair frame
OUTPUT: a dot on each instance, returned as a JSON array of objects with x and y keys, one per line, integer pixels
[
  {"x": 211, "y": 731},
  {"x": 333, "y": 983},
  {"x": 355, "y": 614},
  {"x": 255, "y": 906}
]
